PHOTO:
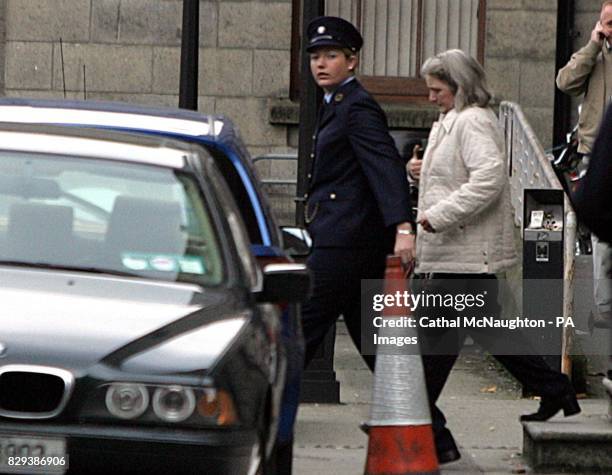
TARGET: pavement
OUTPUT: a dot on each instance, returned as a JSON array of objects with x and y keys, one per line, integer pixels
[{"x": 481, "y": 401}]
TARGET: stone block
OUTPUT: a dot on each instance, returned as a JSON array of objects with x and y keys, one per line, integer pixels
[
  {"x": 35, "y": 94},
  {"x": 271, "y": 73},
  {"x": 538, "y": 35},
  {"x": 209, "y": 20},
  {"x": 284, "y": 169},
  {"x": 28, "y": 65},
  {"x": 512, "y": 34},
  {"x": 541, "y": 121},
  {"x": 226, "y": 72},
  {"x": 262, "y": 167},
  {"x": 503, "y": 77},
  {"x": 537, "y": 83},
  {"x": 501, "y": 40},
  {"x": 105, "y": 21},
  {"x": 109, "y": 68},
  {"x": 166, "y": 70},
  {"x": 147, "y": 22},
  {"x": 160, "y": 100},
  {"x": 410, "y": 116},
  {"x": 293, "y": 136},
  {"x": 540, "y": 5},
  {"x": 42, "y": 20},
  {"x": 592, "y": 6},
  {"x": 580, "y": 445},
  {"x": 251, "y": 117},
  {"x": 206, "y": 104},
  {"x": 504, "y": 5},
  {"x": 255, "y": 24},
  {"x": 284, "y": 111},
  {"x": 583, "y": 25}
]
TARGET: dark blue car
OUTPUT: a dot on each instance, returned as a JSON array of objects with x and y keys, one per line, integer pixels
[{"x": 220, "y": 137}]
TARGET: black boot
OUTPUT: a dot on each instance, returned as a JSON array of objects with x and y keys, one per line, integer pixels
[
  {"x": 446, "y": 448},
  {"x": 549, "y": 406}
]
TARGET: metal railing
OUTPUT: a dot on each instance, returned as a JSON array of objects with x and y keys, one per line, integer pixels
[
  {"x": 531, "y": 168},
  {"x": 278, "y": 157},
  {"x": 528, "y": 164},
  {"x": 281, "y": 191}
]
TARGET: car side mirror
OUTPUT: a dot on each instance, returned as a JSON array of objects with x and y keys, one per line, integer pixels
[
  {"x": 285, "y": 283},
  {"x": 297, "y": 241}
]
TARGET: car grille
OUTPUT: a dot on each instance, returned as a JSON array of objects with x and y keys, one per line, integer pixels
[{"x": 33, "y": 392}]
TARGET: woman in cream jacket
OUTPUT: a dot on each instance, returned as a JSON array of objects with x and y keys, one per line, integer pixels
[{"x": 465, "y": 237}]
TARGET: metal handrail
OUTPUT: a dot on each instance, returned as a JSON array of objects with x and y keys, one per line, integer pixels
[
  {"x": 530, "y": 167},
  {"x": 278, "y": 157},
  {"x": 528, "y": 164}
]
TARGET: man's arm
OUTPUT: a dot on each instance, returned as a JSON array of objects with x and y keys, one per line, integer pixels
[{"x": 573, "y": 78}]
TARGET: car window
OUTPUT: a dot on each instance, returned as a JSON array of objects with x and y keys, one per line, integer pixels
[
  {"x": 240, "y": 195},
  {"x": 236, "y": 225},
  {"x": 101, "y": 215}
]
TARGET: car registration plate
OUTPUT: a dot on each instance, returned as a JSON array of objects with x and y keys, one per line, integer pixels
[{"x": 24, "y": 454}]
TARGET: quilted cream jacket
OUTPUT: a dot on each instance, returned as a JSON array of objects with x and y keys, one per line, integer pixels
[{"x": 465, "y": 193}]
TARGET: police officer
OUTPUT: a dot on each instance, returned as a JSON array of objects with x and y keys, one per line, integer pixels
[{"x": 358, "y": 207}]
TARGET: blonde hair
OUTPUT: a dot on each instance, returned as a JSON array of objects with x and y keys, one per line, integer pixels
[{"x": 463, "y": 74}]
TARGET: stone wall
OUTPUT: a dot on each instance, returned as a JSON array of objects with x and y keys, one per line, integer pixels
[
  {"x": 131, "y": 51},
  {"x": 520, "y": 58},
  {"x": 2, "y": 43}
]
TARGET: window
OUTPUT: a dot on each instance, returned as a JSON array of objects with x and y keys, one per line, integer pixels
[
  {"x": 398, "y": 36},
  {"x": 101, "y": 216}
]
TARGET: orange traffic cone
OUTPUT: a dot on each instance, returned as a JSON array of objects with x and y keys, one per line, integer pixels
[{"x": 400, "y": 435}]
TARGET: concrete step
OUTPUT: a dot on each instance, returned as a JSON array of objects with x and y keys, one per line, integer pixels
[{"x": 582, "y": 444}]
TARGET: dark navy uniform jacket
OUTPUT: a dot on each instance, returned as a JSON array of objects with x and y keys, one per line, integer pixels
[{"x": 358, "y": 190}]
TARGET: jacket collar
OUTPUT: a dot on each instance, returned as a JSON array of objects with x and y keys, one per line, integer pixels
[
  {"x": 448, "y": 120},
  {"x": 328, "y": 97},
  {"x": 343, "y": 90},
  {"x": 338, "y": 96}
]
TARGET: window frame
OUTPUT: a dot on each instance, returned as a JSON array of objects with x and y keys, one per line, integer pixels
[{"x": 384, "y": 88}]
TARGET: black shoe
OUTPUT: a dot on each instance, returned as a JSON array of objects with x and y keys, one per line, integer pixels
[
  {"x": 550, "y": 406},
  {"x": 448, "y": 456},
  {"x": 446, "y": 448}
]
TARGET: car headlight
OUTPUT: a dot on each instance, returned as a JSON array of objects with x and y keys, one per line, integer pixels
[
  {"x": 173, "y": 403},
  {"x": 150, "y": 403},
  {"x": 217, "y": 406},
  {"x": 127, "y": 400}
]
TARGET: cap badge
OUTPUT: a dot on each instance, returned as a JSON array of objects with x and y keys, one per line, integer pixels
[{"x": 321, "y": 30}]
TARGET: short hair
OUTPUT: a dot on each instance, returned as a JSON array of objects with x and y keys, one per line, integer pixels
[{"x": 463, "y": 74}]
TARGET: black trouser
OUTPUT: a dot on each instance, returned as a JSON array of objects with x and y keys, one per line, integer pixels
[
  {"x": 337, "y": 275},
  {"x": 440, "y": 347}
]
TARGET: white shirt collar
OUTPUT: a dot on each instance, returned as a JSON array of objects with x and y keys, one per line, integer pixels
[{"x": 327, "y": 97}]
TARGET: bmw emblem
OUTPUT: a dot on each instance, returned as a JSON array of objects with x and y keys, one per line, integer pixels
[{"x": 2, "y": 350}]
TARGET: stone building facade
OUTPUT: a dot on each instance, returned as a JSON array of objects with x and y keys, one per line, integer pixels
[{"x": 129, "y": 50}]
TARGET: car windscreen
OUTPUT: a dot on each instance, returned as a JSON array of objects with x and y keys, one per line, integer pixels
[{"x": 102, "y": 216}]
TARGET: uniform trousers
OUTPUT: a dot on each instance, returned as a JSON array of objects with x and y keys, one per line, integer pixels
[
  {"x": 440, "y": 348},
  {"x": 337, "y": 275}
]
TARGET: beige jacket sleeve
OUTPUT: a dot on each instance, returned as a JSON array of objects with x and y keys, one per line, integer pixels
[
  {"x": 573, "y": 78},
  {"x": 480, "y": 148}
]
